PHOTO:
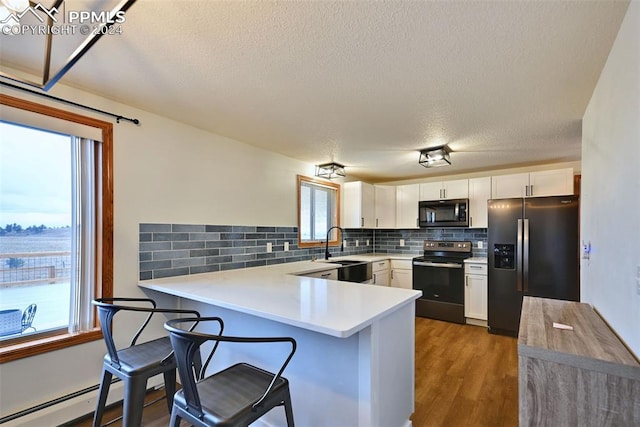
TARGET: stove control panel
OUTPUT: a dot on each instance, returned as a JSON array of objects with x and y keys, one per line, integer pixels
[{"x": 447, "y": 246}]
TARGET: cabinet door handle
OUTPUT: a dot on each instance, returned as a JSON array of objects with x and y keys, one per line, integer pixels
[
  {"x": 362, "y": 222},
  {"x": 531, "y": 190},
  {"x": 391, "y": 274},
  {"x": 375, "y": 278},
  {"x": 466, "y": 281},
  {"x": 526, "y": 191},
  {"x": 470, "y": 221},
  {"x": 376, "y": 222}
]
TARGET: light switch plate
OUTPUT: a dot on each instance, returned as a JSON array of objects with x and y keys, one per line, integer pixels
[
  {"x": 344, "y": 243},
  {"x": 401, "y": 242},
  {"x": 480, "y": 244},
  {"x": 357, "y": 242}
]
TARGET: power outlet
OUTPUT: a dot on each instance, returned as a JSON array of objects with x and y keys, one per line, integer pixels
[
  {"x": 344, "y": 243},
  {"x": 367, "y": 242},
  {"x": 480, "y": 244},
  {"x": 357, "y": 243},
  {"x": 401, "y": 242},
  {"x": 269, "y": 247},
  {"x": 286, "y": 246}
]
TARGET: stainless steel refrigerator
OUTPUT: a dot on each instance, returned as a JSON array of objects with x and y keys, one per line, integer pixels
[{"x": 533, "y": 250}]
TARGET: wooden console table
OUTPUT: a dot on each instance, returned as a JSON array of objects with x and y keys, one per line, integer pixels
[{"x": 579, "y": 377}]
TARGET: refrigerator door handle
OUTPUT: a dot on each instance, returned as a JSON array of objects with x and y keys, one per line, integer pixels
[
  {"x": 519, "y": 257},
  {"x": 525, "y": 250}
]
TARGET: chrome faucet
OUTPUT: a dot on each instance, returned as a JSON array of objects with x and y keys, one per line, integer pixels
[{"x": 326, "y": 247}]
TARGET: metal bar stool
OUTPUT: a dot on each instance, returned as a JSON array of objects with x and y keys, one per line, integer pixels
[
  {"x": 235, "y": 396},
  {"x": 135, "y": 364}
]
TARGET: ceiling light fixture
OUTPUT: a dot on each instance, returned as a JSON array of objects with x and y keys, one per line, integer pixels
[
  {"x": 435, "y": 156},
  {"x": 330, "y": 170}
]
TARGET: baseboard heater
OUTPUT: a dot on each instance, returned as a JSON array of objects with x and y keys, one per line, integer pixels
[{"x": 65, "y": 409}]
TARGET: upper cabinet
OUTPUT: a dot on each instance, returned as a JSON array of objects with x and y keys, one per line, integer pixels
[
  {"x": 385, "y": 206},
  {"x": 454, "y": 189},
  {"x": 407, "y": 197},
  {"x": 551, "y": 183},
  {"x": 479, "y": 194},
  {"x": 557, "y": 182},
  {"x": 358, "y": 198},
  {"x": 396, "y": 206}
]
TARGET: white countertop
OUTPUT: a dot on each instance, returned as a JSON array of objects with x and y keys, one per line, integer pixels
[
  {"x": 274, "y": 292},
  {"x": 476, "y": 260}
]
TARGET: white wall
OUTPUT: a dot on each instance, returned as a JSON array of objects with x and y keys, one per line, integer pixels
[
  {"x": 164, "y": 171},
  {"x": 611, "y": 186}
]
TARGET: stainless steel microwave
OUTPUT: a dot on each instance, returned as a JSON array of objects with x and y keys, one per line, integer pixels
[{"x": 443, "y": 213}]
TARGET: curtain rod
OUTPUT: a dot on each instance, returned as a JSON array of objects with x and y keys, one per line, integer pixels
[{"x": 118, "y": 117}]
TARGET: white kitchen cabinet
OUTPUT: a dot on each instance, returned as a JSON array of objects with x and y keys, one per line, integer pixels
[
  {"x": 454, "y": 189},
  {"x": 557, "y": 182},
  {"x": 331, "y": 274},
  {"x": 358, "y": 203},
  {"x": 479, "y": 193},
  {"x": 475, "y": 293},
  {"x": 380, "y": 270},
  {"x": 431, "y": 190},
  {"x": 407, "y": 197},
  {"x": 385, "y": 206},
  {"x": 401, "y": 273}
]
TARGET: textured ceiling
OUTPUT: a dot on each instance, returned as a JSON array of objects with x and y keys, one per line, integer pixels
[{"x": 363, "y": 83}]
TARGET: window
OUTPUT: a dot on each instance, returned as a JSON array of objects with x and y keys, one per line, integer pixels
[
  {"x": 318, "y": 210},
  {"x": 56, "y": 221}
]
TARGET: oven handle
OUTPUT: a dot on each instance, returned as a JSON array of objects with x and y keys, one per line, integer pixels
[{"x": 437, "y": 264}]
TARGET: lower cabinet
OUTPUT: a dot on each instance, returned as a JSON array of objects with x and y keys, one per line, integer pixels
[
  {"x": 380, "y": 270},
  {"x": 475, "y": 293},
  {"x": 401, "y": 273}
]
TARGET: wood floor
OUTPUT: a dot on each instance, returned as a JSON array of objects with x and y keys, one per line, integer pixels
[{"x": 464, "y": 377}]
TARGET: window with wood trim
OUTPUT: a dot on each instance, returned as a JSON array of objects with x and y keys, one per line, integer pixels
[
  {"x": 56, "y": 226},
  {"x": 318, "y": 211}
]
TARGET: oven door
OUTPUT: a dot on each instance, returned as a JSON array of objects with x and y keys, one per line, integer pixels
[{"x": 439, "y": 281}]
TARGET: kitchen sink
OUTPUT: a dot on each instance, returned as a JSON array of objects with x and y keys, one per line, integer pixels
[
  {"x": 347, "y": 262},
  {"x": 354, "y": 270}
]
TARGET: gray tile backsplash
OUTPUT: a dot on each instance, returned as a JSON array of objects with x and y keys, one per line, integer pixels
[
  {"x": 167, "y": 250},
  {"x": 388, "y": 241}
]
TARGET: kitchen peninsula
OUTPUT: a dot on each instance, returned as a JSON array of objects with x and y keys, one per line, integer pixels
[{"x": 354, "y": 365}]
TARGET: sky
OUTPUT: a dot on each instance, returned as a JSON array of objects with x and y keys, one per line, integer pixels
[{"x": 35, "y": 177}]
